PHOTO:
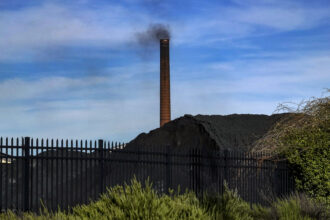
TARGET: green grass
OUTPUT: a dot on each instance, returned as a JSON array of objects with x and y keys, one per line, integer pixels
[{"x": 135, "y": 201}]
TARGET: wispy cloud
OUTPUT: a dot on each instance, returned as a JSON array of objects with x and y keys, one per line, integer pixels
[
  {"x": 224, "y": 23},
  {"x": 83, "y": 108},
  {"x": 25, "y": 31},
  {"x": 116, "y": 108},
  {"x": 219, "y": 65}
]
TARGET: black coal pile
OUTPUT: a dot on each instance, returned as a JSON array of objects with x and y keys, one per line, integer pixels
[
  {"x": 190, "y": 153},
  {"x": 236, "y": 132}
]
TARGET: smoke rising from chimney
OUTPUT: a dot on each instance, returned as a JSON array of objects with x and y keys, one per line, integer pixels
[{"x": 153, "y": 34}]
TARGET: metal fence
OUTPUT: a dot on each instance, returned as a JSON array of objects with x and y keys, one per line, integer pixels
[{"x": 61, "y": 174}]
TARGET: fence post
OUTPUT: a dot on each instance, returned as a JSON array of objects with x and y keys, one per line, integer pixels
[
  {"x": 26, "y": 174},
  {"x": 168, "y": 168},
  {"x": 198, "y": 170},
  {"x": 101, "y": 161},
  {"x": 1, "y": 174},
  {"x": 225, "y": 158},
  {"x": 194, "y": 170}
]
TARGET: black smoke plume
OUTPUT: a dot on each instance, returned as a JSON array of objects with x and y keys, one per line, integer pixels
[{"x": 153, "y": 34}]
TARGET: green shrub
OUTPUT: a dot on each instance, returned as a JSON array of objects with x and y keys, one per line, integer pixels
[
  {"x": 303, "y": 138},
  {"x": 228, "y": 206},
  {"x": 136, "y": 202},
  {"x": 294, "y": 207}
]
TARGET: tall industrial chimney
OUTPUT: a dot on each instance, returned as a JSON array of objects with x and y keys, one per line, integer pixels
[{"x": 165, "y": 96}]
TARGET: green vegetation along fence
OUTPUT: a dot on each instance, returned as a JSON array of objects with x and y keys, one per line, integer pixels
[{"x": 60, "y": 174}]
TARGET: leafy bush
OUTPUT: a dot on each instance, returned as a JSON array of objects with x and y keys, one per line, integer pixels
[
  {"x": 136, "y": 202},
  {"x": 296, "y": 206},
  {"x": 228, "y": 206},
  {"x": 303, "y": 138}
]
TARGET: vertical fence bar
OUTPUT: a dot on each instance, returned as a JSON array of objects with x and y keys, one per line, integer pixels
[
  {"x": 17, "y": 188},
  {"x": 81, "y": 171},
  {"x": 71, "y": 173},
  {"x": 57, "y": 195},
  {"x": 89, "y": 173},
  {"x": 37, "y": 174},
  {"x": 31, "y": 193},
  {"x": 193, "y": 170},
  {"x": 47, "y": 173},
  {"x": 6, "y": 176},
  {"x": 67, "y": 160},
  {"x": 26, "y": 174},
  {"x": 217, "y": 170},
  {"x": 200, "y": 170},
  {"x": 11, "y": 173},
  {"x": 52, "y": 176},
  {"x": 94, "y": 167},
  {"x": 168, "y": 168},
  {"x": 77, "y": 155},
  {"x": 86, "y": 168},
  {"x": 62, "y": 174},
  {"x": 225, "y": 159},
  {"x": 42, "y": 171},
  {"x": 101, "y": 164},
  {"x": 75, "y": 176},
  {"x": 253, "y": 169},
  {"x": 1, "y": 175},
  {"x": 250, "y": 178}
]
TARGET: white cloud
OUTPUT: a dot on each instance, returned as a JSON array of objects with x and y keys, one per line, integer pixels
[
  {"x": 40, "y": 108},
  {"x": 249, "y": 19},
  {"x": 124, "y": 100},
  {"x": 26, "y": 31},
  {"x": 121, "y": 108},
  {"x": 281, "y": 18}
]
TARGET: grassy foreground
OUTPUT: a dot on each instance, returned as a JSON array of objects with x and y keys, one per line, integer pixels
[{"x": 137, "y": 202}]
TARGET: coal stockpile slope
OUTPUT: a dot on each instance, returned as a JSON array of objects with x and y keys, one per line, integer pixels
[
  {"x": 214, "y": 132},
  {"x": 194, "y": 158}
]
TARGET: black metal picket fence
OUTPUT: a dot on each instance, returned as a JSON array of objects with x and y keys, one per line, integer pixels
[{"x": 61, "y": 174}]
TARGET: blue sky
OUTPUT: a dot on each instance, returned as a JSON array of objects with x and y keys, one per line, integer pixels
[{"x": 74, "y": 69}]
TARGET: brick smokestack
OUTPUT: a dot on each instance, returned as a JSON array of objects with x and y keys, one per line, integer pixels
[{"x": 165, "y": 96}]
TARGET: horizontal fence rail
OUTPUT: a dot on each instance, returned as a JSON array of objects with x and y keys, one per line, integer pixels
[{"x": 62, "y": 173}]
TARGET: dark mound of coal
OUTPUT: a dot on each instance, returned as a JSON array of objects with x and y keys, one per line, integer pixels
[{"x": 213, "y": 132}]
